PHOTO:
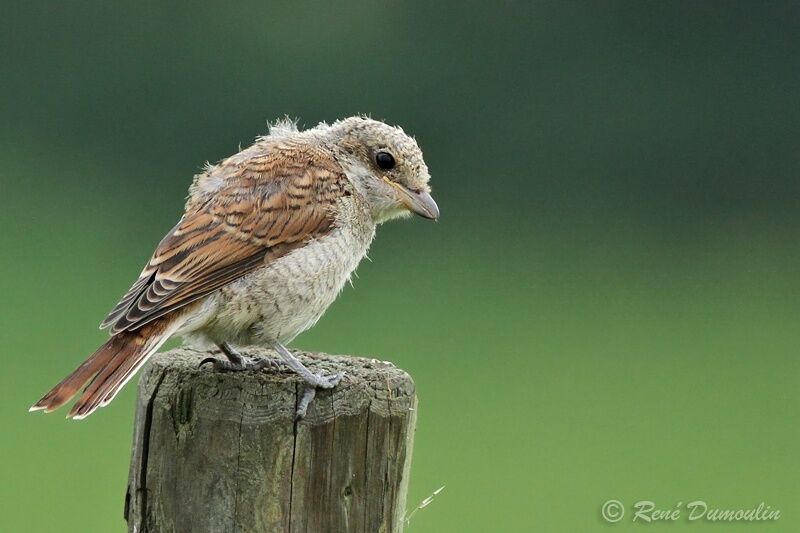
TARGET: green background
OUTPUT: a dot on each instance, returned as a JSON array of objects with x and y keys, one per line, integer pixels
[{"x": 607, "y": 309}]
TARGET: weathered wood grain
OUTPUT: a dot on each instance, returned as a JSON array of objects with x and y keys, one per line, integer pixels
[{"x": 220, "y": 452}]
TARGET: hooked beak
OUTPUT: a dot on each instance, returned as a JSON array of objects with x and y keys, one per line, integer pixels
[{"x": 419, "y": 202}]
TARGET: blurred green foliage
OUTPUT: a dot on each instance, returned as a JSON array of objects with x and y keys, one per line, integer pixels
[{"x": 607, "y": 308}]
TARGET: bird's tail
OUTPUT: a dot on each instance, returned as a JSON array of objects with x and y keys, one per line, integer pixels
[{"x": 109, "y": 369}]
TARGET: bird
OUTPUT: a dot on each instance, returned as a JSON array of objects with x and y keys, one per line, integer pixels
[{"x": 268, "y": 239}]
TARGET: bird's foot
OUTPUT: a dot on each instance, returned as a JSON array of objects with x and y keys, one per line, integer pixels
[
  {"x": 323, "y": 381},
  {"x": 237, "y": 361},
  {"x": 245, "y": 363},
  {"x": 310, "y": 386}
]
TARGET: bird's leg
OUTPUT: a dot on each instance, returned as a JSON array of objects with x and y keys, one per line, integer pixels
[
  {"x": 319, "y": 381},
  {"x": 312, "y": 381},
  {"x": 237, "y": 361}
]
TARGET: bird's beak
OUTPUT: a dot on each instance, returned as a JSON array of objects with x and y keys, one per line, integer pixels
[{"x": 419, "y": 202}]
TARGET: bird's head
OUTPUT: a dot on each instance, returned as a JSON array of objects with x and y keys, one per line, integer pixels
[{"x": 386, "y": 167}]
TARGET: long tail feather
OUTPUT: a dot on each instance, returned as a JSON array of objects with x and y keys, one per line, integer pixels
[{"x": 109, "y": 369}]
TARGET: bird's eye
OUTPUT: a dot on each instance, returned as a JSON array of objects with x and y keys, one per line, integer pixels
[{"x": 384, "y": 160}]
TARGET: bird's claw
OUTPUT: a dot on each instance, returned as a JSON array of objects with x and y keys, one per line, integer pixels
[{"x": 321, "y": 381}]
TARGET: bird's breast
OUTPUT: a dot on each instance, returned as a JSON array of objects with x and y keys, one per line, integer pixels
[{"x": 287, "y": 296}]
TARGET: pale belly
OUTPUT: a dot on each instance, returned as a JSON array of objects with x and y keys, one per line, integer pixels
[{"x": 281, "y": 300}]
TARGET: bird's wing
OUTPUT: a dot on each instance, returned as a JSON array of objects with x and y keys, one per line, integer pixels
[{"x": 262, "y": 207}]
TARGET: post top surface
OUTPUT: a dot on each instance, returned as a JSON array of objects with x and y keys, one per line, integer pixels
[{"x": 271, "y": 393}]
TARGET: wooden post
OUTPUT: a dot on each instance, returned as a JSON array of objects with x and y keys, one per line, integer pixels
[{"x": 220, "y": 451}]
